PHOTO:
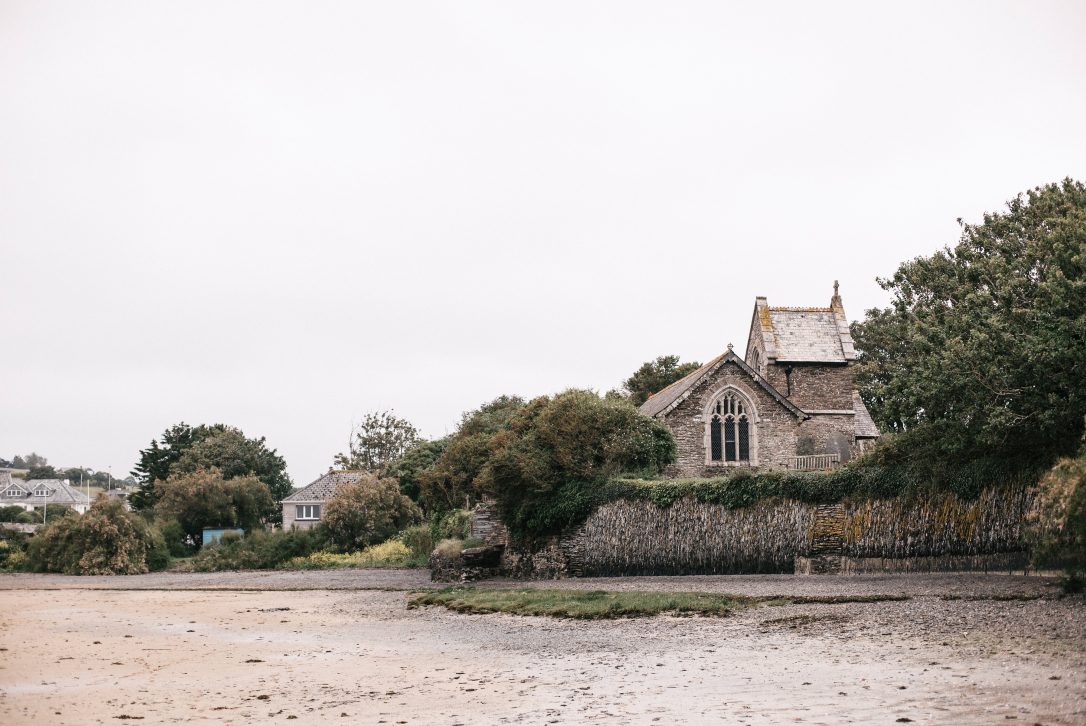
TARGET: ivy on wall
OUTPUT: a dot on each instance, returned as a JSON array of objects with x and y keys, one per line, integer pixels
[{"x": 573, "y": 502}]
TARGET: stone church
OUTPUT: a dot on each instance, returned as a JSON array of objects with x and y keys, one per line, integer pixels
[{"x": 788, "y": 403}]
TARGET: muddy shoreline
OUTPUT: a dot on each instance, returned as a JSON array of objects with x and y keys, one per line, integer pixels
[{"x": 79, "y": 655}]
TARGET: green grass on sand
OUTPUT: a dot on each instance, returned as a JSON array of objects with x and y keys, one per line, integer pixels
[{"x": 598, "y": 604}]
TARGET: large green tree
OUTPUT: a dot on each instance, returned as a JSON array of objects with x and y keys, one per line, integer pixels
[
  {"x": 984, "y": 345},
  {"x": 544, "y": 469},
  {"x": 186, "y": 449},
  {"x": 206, "y": 498},
  {"x": 654, "y": 376},
  {"x": 450, "y": 482},
  {"x": 408, "y": 469}
]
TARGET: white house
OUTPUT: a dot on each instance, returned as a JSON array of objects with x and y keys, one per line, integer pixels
[{"x": 31, "y": 494}]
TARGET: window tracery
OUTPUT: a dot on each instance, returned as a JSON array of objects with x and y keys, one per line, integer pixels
[{"x": 729, "y": 430}]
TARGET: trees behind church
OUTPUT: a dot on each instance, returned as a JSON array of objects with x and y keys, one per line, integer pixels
[
  {"x": 983, "y": 349},
  {"x": 654, "y": 376}
]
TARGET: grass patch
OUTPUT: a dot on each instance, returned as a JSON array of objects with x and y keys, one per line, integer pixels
[
  {"x": 600, "y": 605},
  {"x": 391, "y": 553}
]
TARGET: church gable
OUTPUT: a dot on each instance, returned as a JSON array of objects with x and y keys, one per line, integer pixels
[
  {"x": 790, "y": 404},
  {"x": 662, "y": 403}
]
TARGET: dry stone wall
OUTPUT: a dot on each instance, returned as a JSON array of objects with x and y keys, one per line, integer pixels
[
  {"x": 639, "y": 538},
  {"x": 939, "y": 532}
]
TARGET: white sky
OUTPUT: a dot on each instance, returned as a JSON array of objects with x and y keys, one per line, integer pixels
[{"x": 283, "y": 215}]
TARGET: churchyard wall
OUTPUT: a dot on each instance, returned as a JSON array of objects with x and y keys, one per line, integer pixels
[{"x": 935, "y": 532}]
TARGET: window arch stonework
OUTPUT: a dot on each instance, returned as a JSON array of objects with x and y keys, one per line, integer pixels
[{"x": 730, "y": 430}]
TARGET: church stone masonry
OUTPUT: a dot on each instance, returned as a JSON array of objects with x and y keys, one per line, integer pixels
[{"x": 789, "y": 403}]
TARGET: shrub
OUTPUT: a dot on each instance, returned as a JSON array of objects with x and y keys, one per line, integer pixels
[
  {"x": 391, "y": 553},
  {"x": 17, "y": 514},
  {"x": 258, "y": 550},
  {"x": 176, "y": 539},
  {"x": 450, "y": 547},
  {"x": 368, "y": 511},
  {"x": 12, "y": 550},
  {"x": 203, "y": 498},
  {"x": 418, "y": 540},
  {"x": 107, "y": 540},
  {"x": 559, "y": 450},
  {"x": 451, "y": 525}
]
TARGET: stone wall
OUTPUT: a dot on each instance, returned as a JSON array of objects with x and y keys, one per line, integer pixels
[
  {"x": 815, "y": 386},
  {"x": 639, "y": 538},
  {"x": 938, "y": 532}
]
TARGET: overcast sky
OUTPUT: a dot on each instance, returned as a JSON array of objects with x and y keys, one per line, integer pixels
[{"x": 281, "y": 216}]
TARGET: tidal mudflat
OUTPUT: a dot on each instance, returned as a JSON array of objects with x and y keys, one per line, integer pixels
[{"x": 961, "y": 649}]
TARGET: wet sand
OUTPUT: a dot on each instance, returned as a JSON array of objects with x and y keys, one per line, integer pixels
[{"x": 79, "y": 656}]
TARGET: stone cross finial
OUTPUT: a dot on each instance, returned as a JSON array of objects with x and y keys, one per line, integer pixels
[
  {"x": 729, "y": 347},
  {"x": 835, "y": 286}
]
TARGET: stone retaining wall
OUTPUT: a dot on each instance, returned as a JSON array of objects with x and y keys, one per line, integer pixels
[{"x": 936, "y": 533}]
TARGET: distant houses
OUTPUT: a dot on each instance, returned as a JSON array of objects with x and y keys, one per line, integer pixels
[
  {"x": 31, "y": 494},
  {"x": 304, "y": 508}
]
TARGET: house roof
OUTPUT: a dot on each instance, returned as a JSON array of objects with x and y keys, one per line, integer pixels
[
  {"x": 865, "y": 425},
  {"x": 323, "y": 488},
  {"x": 667, "y": 399},
  {"x": 804, "y": 334},
  {"x": 60, "y": 491}
]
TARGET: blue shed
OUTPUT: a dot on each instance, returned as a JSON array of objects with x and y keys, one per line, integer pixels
[{"x": 214, "y": 534}]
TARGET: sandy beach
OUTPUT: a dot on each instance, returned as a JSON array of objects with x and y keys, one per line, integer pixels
[{"x": 175, "y": 648}]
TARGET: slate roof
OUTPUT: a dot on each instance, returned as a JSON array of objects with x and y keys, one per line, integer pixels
[
  {"x": 323, "y": 488},
  {"x": 803, "y": 334},
  {"x": 60, "y": 491},
  {"x": 865, "y": 425},
  {"x": 666, "y": 399}
]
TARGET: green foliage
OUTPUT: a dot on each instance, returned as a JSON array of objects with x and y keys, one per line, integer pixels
[
  {"x": 368, "y": 511},
  {"x": 418, "y": 540},
  {"x": 55, "y": 511},
  {"x": 42, "y": 472},
  {"x": 204, "y": 498},
  {"x": 12, "y": 550},
  {"x": 598, "y": 604},
  {"x": 177, "y": 541},
  {"x": 185, "y": 449},
  {"x": 1059, "y": 521},
  {"x": 857, "y": 481},
  {"x": 572, "y": 503},
  {"x": 545, "y": 469},
  {"x": 107, "y": 540},
  {"x": 450, "y": 482},
  {"x": 656, "y": 375},
  {"x": 390, "y": 553},
  {"x": 259, "y": 550},
  {"x": 408, "y": 469},
  {"x": 17, "y": 514},
  {"x": 451, "y": 525},
  {"x": 985, "y": 343},
  {"x": 379, "y": 439}
]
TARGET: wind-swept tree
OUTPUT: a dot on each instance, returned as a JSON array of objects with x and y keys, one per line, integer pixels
[{"x": 378, "y": 440}]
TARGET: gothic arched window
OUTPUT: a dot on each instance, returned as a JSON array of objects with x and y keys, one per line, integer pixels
[{"x": 729, "y": 430}]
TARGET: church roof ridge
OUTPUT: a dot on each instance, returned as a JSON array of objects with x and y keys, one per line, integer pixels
[
  {"x": 668, "y": 397},
  {"x": 798, "y": 309}
]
